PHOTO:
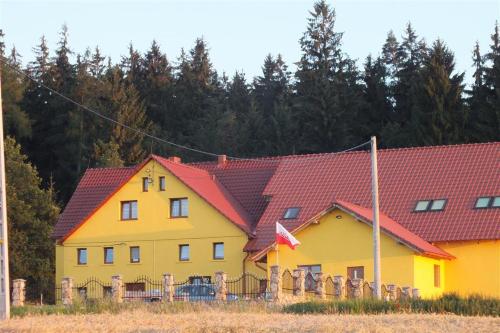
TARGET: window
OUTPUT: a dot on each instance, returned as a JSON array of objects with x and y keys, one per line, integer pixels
[
  {"x": 108, "y": 255},
  {"x": 422, "y": 205},
  {"x": 438, "y": 204},
  {"x": 430, "y": 205},
  {"x": 200, "y": 280},
  {"x": 145, "y": 184},
  {"x": 488, "y": 202},
  {"x": 184, "y": 252},
  {"x": 291, "y": 213},
  {"x": 310, "y": 271},
  {"x": 356, "y": 272},
  {"x": 483, "y": 202},
  {"x": 218, "y": 251},
  {"x": 135, "y": 254},
  {"x": 437, "y": 276},
  {"x": 310, "y": 268},
  {"x": 179, "y": 207},
  {"x": 81, "y": 256},
  {"x": 162, "y": 183},
  {"x": 129, "y": 210}
]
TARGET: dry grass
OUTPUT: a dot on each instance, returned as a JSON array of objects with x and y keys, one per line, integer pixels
[{"x": 142, "y": 320}]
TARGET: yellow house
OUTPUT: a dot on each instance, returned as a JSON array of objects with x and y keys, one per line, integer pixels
[{"x": 440, "y": 218}]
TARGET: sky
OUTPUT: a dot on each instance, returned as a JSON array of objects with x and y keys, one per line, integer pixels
[{"x": 241, "y": 33}]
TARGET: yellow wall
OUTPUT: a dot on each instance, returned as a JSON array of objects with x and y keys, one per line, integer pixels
[
  {"x": 338, "y": 243},
  {"x": 476, "y": 269},
  {"x": 423, "y": 270},
  {"x": 156, "y": 233}
]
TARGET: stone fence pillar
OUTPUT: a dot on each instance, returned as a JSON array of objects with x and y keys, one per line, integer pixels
[
  {"x": 406, "y": 293},
  {"x": 320, "y": 285},
  {"x": 357, "y": 288},
  {"x": 18, "y": 292},
  {"x": 338, "y": 287},
  {"x": 67, "y": 290},
  {"x": 117, "y": 288},
  {"x": 392, "y": 292},
  {"x": 415, "y": 293},
  {"x": 220, "y": 286},
  {"x": 168, "y": 288},
  {"x": 276, "y": 284},
  {"x": 299, "y": 283}
]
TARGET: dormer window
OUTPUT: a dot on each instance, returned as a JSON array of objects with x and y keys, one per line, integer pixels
[
  {"x": 430, "y": 205},
  {"x": 291, "y": 213},
  {"x": 487, "y": 202}
]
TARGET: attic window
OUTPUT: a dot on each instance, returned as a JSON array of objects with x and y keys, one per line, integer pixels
[
  {"x": 487, "y": 202},
  {"x": 291, "y": 213},
  {"x": 430, "y": 205}
]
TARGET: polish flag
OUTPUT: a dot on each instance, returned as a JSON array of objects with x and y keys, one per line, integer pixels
[{"x": 284, "y": 237}]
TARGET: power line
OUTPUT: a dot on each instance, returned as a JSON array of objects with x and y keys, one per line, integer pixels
[{"x": 151, "y": 136}]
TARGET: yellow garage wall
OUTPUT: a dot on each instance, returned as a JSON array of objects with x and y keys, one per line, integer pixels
[
  {"x": 339, "y": 241},
  {"x": 158, "y": 235},
  {"x": 423, "y": 268},
  {"x": 476, "y": 269}
]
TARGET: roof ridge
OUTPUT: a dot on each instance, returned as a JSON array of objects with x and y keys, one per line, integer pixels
[{"x": 181, "y": 164}]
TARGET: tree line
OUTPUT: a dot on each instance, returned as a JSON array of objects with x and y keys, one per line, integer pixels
[{"x": 408, "y": 95}]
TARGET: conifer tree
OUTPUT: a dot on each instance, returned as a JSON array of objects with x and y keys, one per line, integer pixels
[{"x": 492, "y": 84}]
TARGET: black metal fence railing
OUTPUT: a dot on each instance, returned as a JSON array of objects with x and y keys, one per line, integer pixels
[
  {"x": 143, "y": 288},
  {"x": 195, "y": 289},
  {"x": 247, "y": 287},
  {"x": 92, "y": 288},
  {"x": 287, "y": 282}
]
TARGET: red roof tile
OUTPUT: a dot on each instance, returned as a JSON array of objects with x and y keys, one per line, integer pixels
[{"x": 255, "y": 193}]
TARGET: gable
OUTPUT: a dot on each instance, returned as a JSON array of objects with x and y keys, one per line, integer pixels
[{"x": 154, "y": 221}]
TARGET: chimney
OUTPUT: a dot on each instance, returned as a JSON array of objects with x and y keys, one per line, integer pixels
[
  {"x": 174, "y": 159},
  {"x": 221, "y": 160}
]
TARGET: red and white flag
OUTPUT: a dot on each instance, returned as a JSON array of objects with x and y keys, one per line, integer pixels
[{"x": 284, "y": 237}]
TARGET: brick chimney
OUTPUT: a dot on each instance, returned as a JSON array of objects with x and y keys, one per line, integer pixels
[
  {"x": 221, "y": 160},
  {"x": 174, "y": 159}
]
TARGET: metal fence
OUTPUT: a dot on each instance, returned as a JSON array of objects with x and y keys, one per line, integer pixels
[
  {"x": 144, "y": 289},
  {"x": 92, "y": 288},
  {"x": 247, "y": 287},
  {"x": 310, "y": 285},
  {"x": 195, "y": 289}
]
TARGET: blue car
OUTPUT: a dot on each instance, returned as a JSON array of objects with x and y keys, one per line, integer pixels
[{"x": 199, "y": 292}]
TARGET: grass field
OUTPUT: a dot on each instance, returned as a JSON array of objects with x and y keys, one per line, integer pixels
[{"x": 218, "y": 320}]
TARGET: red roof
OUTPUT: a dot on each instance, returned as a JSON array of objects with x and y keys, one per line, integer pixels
[{"x": 255, "y": 193}]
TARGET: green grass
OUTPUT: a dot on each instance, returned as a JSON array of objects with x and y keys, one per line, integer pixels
[
  {"x": 107, "y": 306},
  {"x": 446, "y": 304}
]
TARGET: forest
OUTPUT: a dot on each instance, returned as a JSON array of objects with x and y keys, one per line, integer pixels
[{"x": 410, "y": 94}]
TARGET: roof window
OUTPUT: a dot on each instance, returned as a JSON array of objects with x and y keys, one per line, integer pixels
[
  {"x": 291, "y": 213},
  {"x": 430, "y": 205},
  {"x": 487, "y": 202}
]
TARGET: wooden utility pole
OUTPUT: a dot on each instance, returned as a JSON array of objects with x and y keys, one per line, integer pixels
[
  {"x": 376, "y": 222},
  {"x": 4, "y": 247}
]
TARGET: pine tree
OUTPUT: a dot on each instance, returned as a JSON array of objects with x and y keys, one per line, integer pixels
[
  {"x": 492, "y": 84},
  {"x": 441, "y": 102},
  {"x": 107, "y": 155},
  {"x": 32, "y": 212},
  {"x": 328, "y": 92},
  {"x": 16, "y": 120}
]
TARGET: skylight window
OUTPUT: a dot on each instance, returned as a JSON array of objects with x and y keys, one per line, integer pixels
[
  {"x": 487, "y": 202},
  {"x": 291, "y": 213},
  {"x": 438, "y": 204},
  {"x": 422, "y": 205},
  {"x": 430, "y": 205}
]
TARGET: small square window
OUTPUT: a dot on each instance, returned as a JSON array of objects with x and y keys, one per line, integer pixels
[
  {"x": 135, "y": 254},
  {"x": 483, "y": 202},
  {"x": 145, "y": 184},
  {"x": 108, "y": 255},
  {"x": 82, "y": 256},
  {"x": 218, "y": 251},
  {"x": 422, "y": 205},
  {"x": 438, "y": 204},
  {"x": 291, "y": 213},
  {"x": 162, "y": 183},
  {"x": 496, "y": 202},
  {"x": 129, "y": 210},
  {"x": 184, "y": 252}
]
